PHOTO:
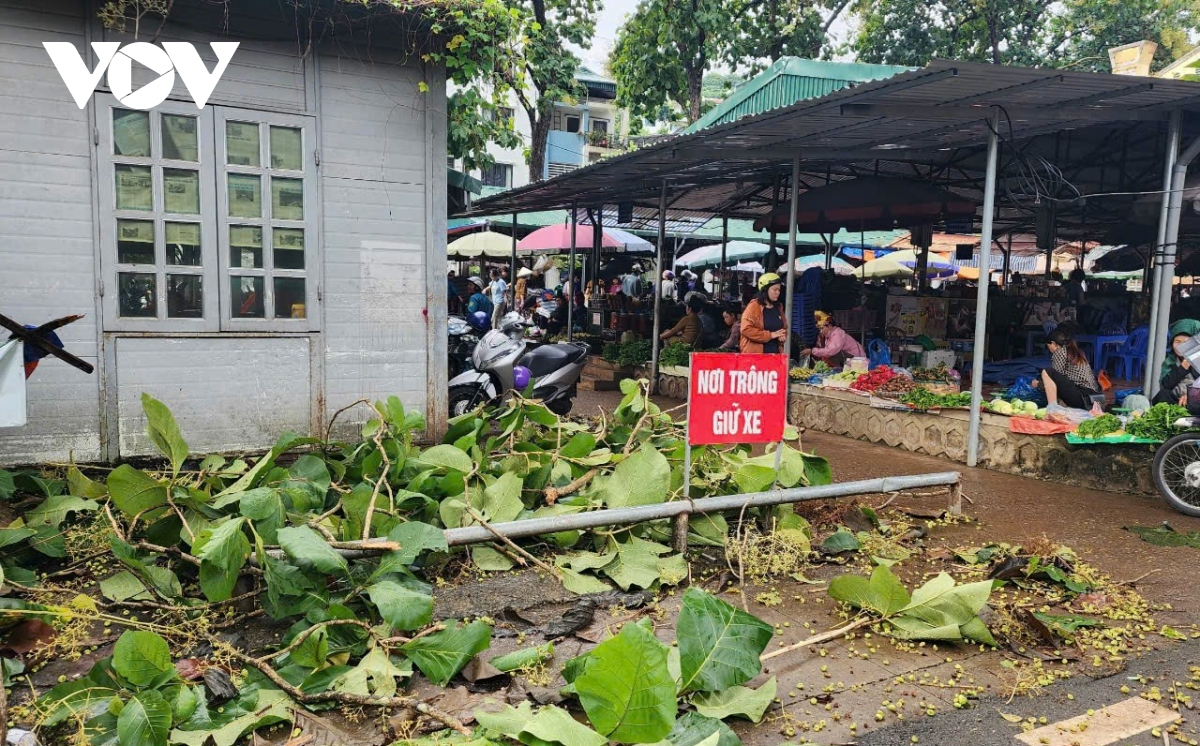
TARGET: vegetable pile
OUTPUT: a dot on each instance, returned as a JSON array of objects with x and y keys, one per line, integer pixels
[
  {"x": 1157, "y": 423},
  {"x": 873, "y": 379},
  {"x": 675, "y": 354},
  {"x": 939, "y": 374},
  {"x": 923, "y": 398},
  {"x": 1099, "y": 426},
  {"x": 802, "y": 374},
  {"x": 628, "y": 354},
  {"x": 896, "y": 385}
]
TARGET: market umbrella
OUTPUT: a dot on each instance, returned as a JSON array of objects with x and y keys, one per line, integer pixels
[
  {"x": 710, "y": 256},
  {"x": 937, "y": 265},
  {"x": 557, "y": 238},
  {"x": 838, "y": 265},
  {"x": 880, "y": 268},
  {"x": 869, "y": 203},
  {"x": 482, "y": 244}
]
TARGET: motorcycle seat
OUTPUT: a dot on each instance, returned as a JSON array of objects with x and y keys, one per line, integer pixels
[{"x": 546, "y": 359}]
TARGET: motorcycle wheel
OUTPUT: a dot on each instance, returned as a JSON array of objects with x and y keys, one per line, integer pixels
[
  {"x": 464, "y": 399},
  {"x": 1177, "y": 473},
  {"x": 561, "y": 406}
]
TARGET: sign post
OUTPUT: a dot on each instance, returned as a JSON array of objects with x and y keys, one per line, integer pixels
[{"x": 732, "y": 398}]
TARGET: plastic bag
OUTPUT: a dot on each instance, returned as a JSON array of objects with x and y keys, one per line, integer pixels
[
  {"x": 878, "y": 353},
  {"x": 1023, "y": 389},
  {"x": 1030, "y": 426},
  {"x": 1104, "y": 381},
  {"x": 1066, "y": 415}
]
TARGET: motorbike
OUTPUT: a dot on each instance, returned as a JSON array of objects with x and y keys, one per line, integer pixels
[
  {"x": 464, "y": 334},
  {"x": 501, "y": 364},
  {"x": 1177, "y": 468}
]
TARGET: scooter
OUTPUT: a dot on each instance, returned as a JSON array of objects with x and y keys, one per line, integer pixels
[
  {"x": 464, "y": 334},
  {"x": 501, "y": 365}
]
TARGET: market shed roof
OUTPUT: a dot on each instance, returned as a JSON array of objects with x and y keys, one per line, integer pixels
[{"x": 1075, "y": 132}]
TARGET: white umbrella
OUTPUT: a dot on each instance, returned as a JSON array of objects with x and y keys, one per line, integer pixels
[
  {"x": 484, "y": 243},
  {"x": 881, "y": 268},
  {"x": 736, "y": 252}
]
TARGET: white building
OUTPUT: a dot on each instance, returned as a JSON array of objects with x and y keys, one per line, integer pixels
[{"x": 256, "y": 264}]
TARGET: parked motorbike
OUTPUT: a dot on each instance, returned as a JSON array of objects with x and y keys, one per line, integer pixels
[
  {"x": 1177, "y": 468},
  {"x": 500, "y": 365},
  {"x": 464, "y": 334}
]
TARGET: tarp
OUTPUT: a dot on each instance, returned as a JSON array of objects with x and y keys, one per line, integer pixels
[{"x": 12, "y": 384}]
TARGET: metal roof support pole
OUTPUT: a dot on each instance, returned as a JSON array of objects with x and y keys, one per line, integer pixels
[
  {"x": 981, "y": 303},
  {"x": 656, "y": 343},
  {"x": 1007, "y": 263},
  {"x": 571, "y": 276},
  {"x": 1150, "y": 381},
  {"x": 512, "y": 272},
  {"x": 597, "y": 244},
  {"x": 1167, "y": 273},
  {"x": 789, "y": 302},
  {"x": 723, "y": 286}
]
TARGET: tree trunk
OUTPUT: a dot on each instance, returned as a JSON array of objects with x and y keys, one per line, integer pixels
[
  {"x": 540, "y": 122},
  {"x": 695, "y": 81}
]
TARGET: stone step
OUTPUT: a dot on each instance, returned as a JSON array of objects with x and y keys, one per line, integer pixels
[
  {"x": 587, "y": 383},
  {"x": 607, "y": 374}
]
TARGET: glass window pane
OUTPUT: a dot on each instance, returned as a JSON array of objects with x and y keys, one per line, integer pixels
[
  {"x": 179, "y": 140},
  {"x": 245, "y": 196},
  {"x": 287, "y": 199},
  {"x": 185, "y": 299},
  {"x": 287, "y": 148},
  {"x": 135, "y": 242},
  {"x": 183, "y": 244},
  {"x": 247, "y": 295},
  {"x": 245, "y": 246},
  {"x": 181, "y": 190},
  {"x": 289, "y": 298},
  {"x": 289, "y": 248},
  {"x": 138, "y": 295},
  {"x": 135, "y": 190},
  {"x": 131, "y": 133},
  {"x": 241, "y": 144}
]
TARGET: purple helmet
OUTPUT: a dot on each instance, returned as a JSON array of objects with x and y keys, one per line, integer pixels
[
  {"x": 521, "y": 376},
  {"x": 480, "y": 320}
]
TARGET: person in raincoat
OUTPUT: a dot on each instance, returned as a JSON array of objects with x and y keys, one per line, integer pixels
[{"x": 1177, "y": 374}]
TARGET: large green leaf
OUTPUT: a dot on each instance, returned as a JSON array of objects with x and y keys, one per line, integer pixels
[
  {"x": 737, "y": 700},
  {"x": 134, "y": 491},
  {"x": 313, "y": 650},
  {"x": 374, "y": 676},
  {"x": 447, "y": 457},
  {"x": 626, "y": 689},
  {"x": 82, "y": 699},
  {"x": 414, "y": 538},
  {"x": 269, "y": 707},
  {"x": 307, "y": 548},
  {"x": 523, "y": 658},
  {"x": 46, "y": 518},
  {"x": 883, "y": 593},
  {"x": 550, "y": 726},
  {"x": 164, "y": 432},
  {"x": 145, "y": 720},
  {"x": 143, "y": 658},
  {"x": 940, "y": 610},
  {"x": 637, "y": 563},
  {"x": 403, "y": 608},
  {"x": 719, "y": 645},
  {"x": 222, "y": 551},
  {"x": 644, "y": 478},
  {"x": 443, "y": 654},
  {"x": 81, "y": 486},
  {"x": 694, "y": 729},
  {"x": 500, "y": 501}
]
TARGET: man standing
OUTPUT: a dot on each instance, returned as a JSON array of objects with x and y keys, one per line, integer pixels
[
  {"x": 453, "y": 300},
  {"x": 499, "y": 290}
]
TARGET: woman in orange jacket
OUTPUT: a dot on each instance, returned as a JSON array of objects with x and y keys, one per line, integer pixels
[{"x": 763, "y": 324}]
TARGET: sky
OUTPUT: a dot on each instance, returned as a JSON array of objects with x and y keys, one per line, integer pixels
[{"x": 613, "y": 15}]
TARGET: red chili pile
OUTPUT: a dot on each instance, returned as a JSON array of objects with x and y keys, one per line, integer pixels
[{"x": 874, "y": 379}]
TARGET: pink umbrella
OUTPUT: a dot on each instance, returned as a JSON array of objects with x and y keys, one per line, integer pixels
[{"x": 558, "y": 238}]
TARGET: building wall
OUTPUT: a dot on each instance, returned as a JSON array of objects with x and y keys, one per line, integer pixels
[{"x": 380, "y": 226}]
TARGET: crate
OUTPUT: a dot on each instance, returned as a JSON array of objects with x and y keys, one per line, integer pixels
[{"x": 933, "y": 358}]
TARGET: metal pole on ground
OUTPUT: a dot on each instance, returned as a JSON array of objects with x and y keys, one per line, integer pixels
[
  {"x": 1151, "y": 377},
  {"x": 571, "y": 277},
  {"x": 655, "y": 343},
  {"x": 981, "y": 303},
  {"x": 789, "y": 301},
  {"x": 1167, "y": 276},
  {"x": 722, "y": 289},
  {"x": 512, "y": 272}
]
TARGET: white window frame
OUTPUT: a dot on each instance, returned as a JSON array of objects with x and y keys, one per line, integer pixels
[
  {"x": 109, "y": 215},
  {"x": 311, "y": 271}
]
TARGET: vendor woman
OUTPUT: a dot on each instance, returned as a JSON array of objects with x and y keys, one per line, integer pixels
[
  {"x": 1069, "y": 379},
  {"x": 762, "y": 327},
  {"x": 1177, "y": 373},
  {"x": 834, "y": 345}
]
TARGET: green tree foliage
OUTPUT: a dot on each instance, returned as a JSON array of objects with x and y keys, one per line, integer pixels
[
  {"x": 1039, "y": 33},
  {"x": 664, "y": 50}
]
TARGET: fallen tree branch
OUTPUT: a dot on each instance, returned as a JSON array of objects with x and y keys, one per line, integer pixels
[
  {"x": 832, "y": 634},
  {"x": 553, "y": 493},
  {"x": 512, "y": 545}
]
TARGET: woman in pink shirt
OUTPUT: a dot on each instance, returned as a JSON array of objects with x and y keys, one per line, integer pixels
[{"x": 834, "y": 345}]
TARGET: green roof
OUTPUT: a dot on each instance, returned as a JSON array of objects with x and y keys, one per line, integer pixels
[
  {"x": 787, "y": 81},
  {"x": 463, "y": 181}
]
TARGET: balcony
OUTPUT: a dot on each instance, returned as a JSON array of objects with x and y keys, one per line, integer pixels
[{"x": 606, "y": 140}]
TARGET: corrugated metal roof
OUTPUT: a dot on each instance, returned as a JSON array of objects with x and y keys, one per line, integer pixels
[
  {"x": 1105, "y": 133},
  {"x": 787, "y": 81}
]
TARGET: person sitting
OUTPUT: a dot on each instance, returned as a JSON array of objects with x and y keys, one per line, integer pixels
[
  {"x": 558, "y": 318},
  {"x": 1069, "y": 379},
  {"x": 689, "y": 327},
  {"x": 1177, "y": 374},
  {"x": 732, "y": 316},
  {"x": 762, "y": 327},
  {"x": 834, "y": 345},
  {"x": 478, "y": 301}
]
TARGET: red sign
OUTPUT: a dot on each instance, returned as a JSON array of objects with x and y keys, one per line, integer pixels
[{"x": 737, "y": 398}]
